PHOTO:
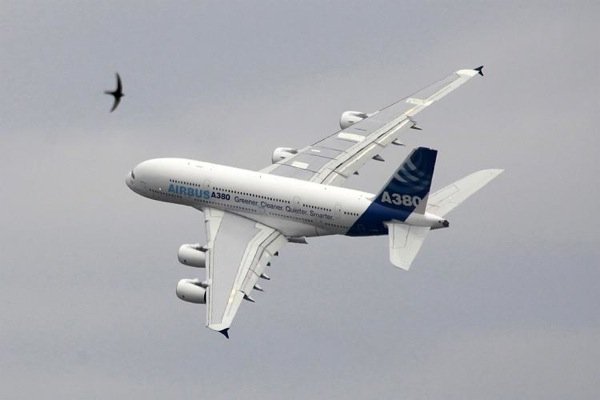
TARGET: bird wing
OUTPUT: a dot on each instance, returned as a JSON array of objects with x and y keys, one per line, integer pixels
[
  {"x": 119, "y": 86},
  {"x": 116, "y": 103}
]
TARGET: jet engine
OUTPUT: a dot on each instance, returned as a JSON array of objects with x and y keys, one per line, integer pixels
[
  {"x": 193, "y": 255},
  {"x": 349, "y": 118},
  {"x": 192, "y": 291},
  {"x": 281, "y": 153}
]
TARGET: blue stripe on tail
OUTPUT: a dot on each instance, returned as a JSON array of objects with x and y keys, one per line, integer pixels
[
  {"x": 404, "y": 193},
  {"x": 408, "y": 188}
]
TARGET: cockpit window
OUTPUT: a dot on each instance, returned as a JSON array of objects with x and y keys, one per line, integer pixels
[{"x": 132, "y": 175}]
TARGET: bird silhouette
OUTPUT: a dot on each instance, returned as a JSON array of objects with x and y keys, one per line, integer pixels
[{"x": 117, "y": 93}]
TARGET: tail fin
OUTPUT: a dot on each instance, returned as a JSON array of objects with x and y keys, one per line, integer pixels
[
  {"x": 445, "y": 200},
  {"x": 408, "y": 188}
]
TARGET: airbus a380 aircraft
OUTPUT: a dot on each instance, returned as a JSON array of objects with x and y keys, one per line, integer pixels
[{"x": 250, "y": 215}]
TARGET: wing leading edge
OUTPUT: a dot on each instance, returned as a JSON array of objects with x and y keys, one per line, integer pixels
[
  {"x": 335, "y": 158},
  {"x": 237, "y": 254}
]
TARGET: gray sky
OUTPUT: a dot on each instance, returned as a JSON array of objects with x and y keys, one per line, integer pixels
[{"x": 502, "y": 305}]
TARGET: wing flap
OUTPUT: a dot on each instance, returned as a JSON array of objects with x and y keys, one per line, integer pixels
[
  {"x": 258, "y": 253},
  {"x": 358, "y": 143}
]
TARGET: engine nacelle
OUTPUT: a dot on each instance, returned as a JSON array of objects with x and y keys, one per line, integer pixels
[
  {"x": 192, "y": 255},
  {"x": 281, "y": 153},
  {"x": 349, "y": 118},
  {"x": 192, "y": 291}
]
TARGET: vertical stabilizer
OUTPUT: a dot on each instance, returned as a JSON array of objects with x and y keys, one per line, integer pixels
[{"x": 408, "y": 188}]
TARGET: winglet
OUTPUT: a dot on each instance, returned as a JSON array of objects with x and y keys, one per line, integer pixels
[
  {"x": 479, "y": 70},
  {"x": 225, "y": 332}
]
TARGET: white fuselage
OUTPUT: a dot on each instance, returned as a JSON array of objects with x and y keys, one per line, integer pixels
[{"x": 295, "y": 208}]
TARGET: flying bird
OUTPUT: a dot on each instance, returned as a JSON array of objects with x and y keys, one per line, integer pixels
[{"x": 117, "y": 93}]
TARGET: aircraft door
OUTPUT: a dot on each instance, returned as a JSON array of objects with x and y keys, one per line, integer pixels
[
  {"x": 338, "y": 214},
  {"x": 297, "y": 202}
]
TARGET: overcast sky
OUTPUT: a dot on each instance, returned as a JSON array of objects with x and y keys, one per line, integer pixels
[{"x": 502, "y": 305}]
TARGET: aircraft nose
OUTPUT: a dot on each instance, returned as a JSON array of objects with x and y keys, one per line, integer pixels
[{"x": 129, "y": 179}]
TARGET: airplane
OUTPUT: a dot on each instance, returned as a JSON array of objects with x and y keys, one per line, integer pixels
[{"x": 250, "y": 215}]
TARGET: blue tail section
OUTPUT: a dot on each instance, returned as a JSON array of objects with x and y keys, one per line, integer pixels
[
  {"x": 408, "y": 188},
  {"x": 406, "y": 192}
]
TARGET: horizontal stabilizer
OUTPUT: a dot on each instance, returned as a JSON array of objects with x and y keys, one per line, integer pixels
[
  {"x": 445, "y": 200},
  {"x": 405, "y": 243}
]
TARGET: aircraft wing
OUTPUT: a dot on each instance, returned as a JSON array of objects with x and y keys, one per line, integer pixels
[
  {"x": 335, "y": 158},
  {"x": 238, "y": 250}
]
